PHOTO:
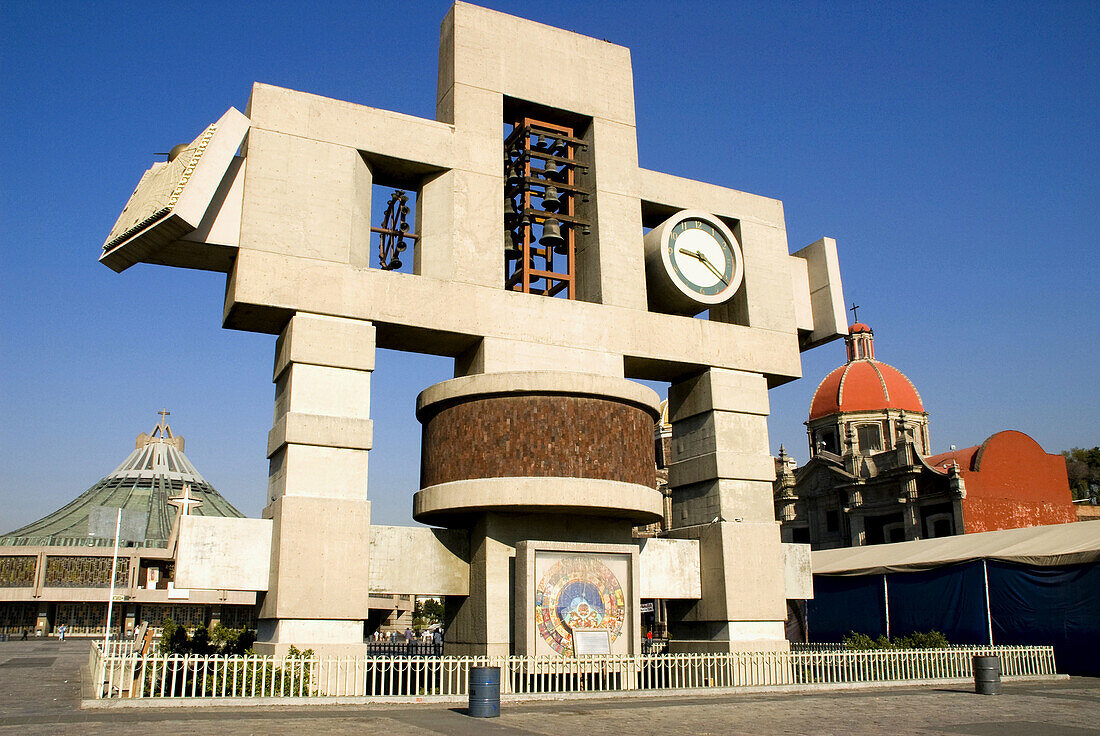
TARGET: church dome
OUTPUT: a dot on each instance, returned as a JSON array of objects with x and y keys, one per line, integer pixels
[
  {"x": 155, "y": 480},
  {"x": 863, "y": 383}
]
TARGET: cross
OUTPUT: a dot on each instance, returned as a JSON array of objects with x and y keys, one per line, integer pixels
[
  {"x": 185, "y": 502},
  {"x": 852, "y": 309},
  {"x": 164, "y": 417}
]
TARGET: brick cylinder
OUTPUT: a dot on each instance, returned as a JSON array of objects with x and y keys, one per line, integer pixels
[{"x": 590, "y": 437}]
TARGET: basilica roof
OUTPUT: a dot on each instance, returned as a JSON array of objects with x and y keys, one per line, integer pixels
[
  {"x": 150, "y": 480},
  {"x": 863, "y": 383}
]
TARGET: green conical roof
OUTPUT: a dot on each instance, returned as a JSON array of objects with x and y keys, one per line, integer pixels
[{"x": 150, "y": 480}]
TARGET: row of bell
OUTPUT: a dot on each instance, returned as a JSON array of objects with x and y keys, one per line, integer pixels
[
  {"x": 551, "y": 237},
  {"x": 550, "y": 171},
  {"x": 551, "y": 202}
]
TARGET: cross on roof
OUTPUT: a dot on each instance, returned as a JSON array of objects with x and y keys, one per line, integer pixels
[
  {"x": 852, "y": 309},
  {"x": 185, "y": 502}
]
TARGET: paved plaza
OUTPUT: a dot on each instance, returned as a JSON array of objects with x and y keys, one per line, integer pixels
[{"x": 40, "y": 694}]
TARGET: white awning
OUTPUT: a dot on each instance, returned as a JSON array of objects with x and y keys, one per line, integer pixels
[{"x": 1058, "y": 544}]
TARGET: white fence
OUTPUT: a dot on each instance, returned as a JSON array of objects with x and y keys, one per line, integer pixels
[{"x": 128, "y": 674}]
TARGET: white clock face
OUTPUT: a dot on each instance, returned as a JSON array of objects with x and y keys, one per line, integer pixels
[
  {"x": 692, "y": 260},
  {"x": 701, "y": 256}
]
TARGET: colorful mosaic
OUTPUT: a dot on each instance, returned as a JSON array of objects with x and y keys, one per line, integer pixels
[
  {"x": 578, "y": 592},
  {"x": 17, "y": 572},
  {"x": 85, "y": 572}
]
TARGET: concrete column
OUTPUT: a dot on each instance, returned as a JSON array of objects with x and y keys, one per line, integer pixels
[
  {"x": 317, "y": 486},
  {"x": 721, "y": 478}
]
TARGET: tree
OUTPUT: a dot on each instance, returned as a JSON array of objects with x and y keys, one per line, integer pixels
[
  {"x": 427, "y": 612},
  {"x": 1083, "y": 470}
]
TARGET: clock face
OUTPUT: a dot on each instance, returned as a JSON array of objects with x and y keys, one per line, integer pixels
[
  {"x": 701, "y": 256},
  {"x": 692, "y": 261}
]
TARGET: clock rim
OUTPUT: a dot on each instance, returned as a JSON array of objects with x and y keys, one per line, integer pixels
[{"x": 671, "y": 272}]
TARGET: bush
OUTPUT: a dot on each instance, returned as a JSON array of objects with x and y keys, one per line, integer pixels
[
  {"x": 219, "y": 640},
  {"x": 916, "y": 640}
]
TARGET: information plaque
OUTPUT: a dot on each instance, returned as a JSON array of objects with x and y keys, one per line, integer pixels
[{"x": 591, "y": 641}]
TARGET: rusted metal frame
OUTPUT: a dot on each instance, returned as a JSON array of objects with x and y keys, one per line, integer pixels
[
  {"x": 560, "y": 132},
  {"x": 393, "y": 232},
  {"x": 538, "y": 180},
  {"x": 526, "y": 273},
  {"x": 387, "y": 231}
]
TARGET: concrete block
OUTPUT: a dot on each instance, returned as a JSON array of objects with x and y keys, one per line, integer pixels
[
  {"x": 723, "y": 499},
  {"x": 669, "y": 568},
  {"x": 313, "y": 538},
  {"x": 321, "y": 390},
  {"x": 497, "y": 355},
  {"x": 798, "y": 579},
  {"x": 318, "y": 339},
  {"x": 325, "y": 431},
  {"x": 419, "y": 560},
  {"x": 222, "y": 553},
  {"x": 830, "y": 319},
  {"x": 715, "y": 465},
  {"x": 318, "y": 472},
  {"x": 300, "y": 197},
  {"x": 718, "y": 390}
]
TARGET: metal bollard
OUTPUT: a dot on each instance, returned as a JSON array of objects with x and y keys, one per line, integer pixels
[
  {"x": 987, "y": 674},
  {"x": 485, "y": 692}
]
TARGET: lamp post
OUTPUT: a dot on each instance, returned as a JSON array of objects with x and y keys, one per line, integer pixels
[{"x": 114, "y": 568}]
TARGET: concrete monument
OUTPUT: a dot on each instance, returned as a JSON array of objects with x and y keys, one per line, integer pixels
[{"x": 532, "y": 268}]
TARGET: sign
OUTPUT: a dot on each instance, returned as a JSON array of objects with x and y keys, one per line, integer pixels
[
  {"x": 591, "y": 641},
  {"x": 646, "y": 607},
  {"x": 103, "y": 519}
]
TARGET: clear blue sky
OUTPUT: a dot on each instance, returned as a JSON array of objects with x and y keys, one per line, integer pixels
[{"x": 952, "y": 149}]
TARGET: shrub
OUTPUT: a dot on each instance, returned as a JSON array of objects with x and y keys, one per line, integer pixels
[{"x": 916, "y": 640}]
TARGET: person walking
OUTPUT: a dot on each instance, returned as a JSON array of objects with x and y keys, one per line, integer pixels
[
  {"x": 24, "y": 634},
  {"x": 61, "y": 632},
  {"x": 437, "y": 642}
]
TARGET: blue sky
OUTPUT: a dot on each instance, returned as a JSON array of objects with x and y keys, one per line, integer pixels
[{"x": 952, "y": 149}]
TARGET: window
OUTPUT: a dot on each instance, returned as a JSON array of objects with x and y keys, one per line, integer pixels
[
  {"x": 832, "y": 520},
  {"x": 869, "y": 436},
  {"x": 826, "y": 440}
]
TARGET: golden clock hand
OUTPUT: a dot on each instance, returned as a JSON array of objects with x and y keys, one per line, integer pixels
[{"x": 706, "y": 262}]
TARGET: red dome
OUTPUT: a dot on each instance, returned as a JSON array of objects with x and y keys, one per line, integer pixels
[
  {"x": 864, "y": 385},
  {"x": 858, "y": 327}
]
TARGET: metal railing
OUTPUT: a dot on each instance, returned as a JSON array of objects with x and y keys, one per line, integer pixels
[{"x": 127, "y": 674}]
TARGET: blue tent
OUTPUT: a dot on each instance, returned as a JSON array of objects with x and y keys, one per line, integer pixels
[{"x": 1039, "y": 585}]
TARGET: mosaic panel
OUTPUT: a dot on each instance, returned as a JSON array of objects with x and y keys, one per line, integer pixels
[
  {"x": 578, "y": 591},
  {"x": 85, "y": 572},
  {"x": 17, "y": 572}
]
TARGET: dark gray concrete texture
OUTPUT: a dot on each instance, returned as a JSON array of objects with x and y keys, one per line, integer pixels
[{"x": 40, "y": 694}]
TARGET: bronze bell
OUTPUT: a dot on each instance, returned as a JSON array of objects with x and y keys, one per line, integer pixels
[
  {"x": 515, "y": 172},
  {"x": 551, "y": 234},
  {"x": 551, "y": 202},
  {"x": 551, "y": 171},
  {"x": 511, "y": 245},
  {"x": 510, "y": 212}
]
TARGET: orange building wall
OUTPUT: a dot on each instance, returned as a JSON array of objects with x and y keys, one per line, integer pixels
[{"x": 1014, "y": 483}]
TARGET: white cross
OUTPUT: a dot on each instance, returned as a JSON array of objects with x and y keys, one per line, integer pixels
[{"x": 185, "y": 502}]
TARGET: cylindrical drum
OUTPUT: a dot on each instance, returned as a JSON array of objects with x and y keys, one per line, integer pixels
[
  {"x": 987, "y": 674},
  {"x": 485, "y": 692}
]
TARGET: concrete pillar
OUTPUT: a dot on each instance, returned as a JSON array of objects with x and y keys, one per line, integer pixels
[
  {"x": 317, "y": 486},
  {"x": 721, "y": 478}
]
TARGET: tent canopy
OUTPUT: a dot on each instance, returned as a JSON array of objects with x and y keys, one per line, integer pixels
[{"x": 1043, "y": 546}]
